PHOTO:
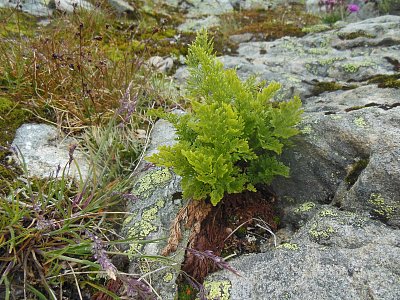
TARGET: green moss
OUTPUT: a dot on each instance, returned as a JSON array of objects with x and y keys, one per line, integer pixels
[
  {"x": 14, "y": 23},
  {"x": 355, "y": 170},
  {"x": 305, "y": 207},
  {"x": 289, "y": 246},
  {"x": 218, "y": 289},
  {"x": 269, "y": 24},
  {"x": 386, "y": 81},
  {"x": 354, "y": 35},
  {"x": 331, "y": 86},
  {"x": 185, "y": 292},
  {"x": 320, "y": 233},
  {"x": 380, "y": 208},
  {"x": 316, "y": 28},
  {"x": 12, "y": 116}
]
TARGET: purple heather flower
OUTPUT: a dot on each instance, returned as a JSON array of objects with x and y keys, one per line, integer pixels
[{"x": 353, "y": 8}]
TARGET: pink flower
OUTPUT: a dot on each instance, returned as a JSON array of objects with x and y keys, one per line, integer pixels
[{"x": 353, "y": 8}]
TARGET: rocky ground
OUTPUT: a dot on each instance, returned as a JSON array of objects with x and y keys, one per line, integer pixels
[{"x": 339, "y": 227}]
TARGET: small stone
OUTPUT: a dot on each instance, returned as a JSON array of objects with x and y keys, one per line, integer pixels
[{"x": 162, "y": 65}]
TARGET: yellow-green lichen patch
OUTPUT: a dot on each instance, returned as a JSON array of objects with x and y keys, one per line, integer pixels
[
  {"x": 354, "y": 67},
  {"x": 360, "y": 122},
  {"x": 380, "y": 208},
  {"x": 336, "y": 117},
  {"x": 218, "y": 289},
  {"x": 306, "y": 129},
  {"x": 318, "y": 51},
  {"x": 289, "y": 246},
  {"x": 141, "y": 229},
  {"x": 352, "y": 219},
  {"x": 305, "y": 207},
  {"x": 316, "y": 28},
  {"x": 327, "y": 213},
  {"x": 151, "y": 181},
  {"x": 354, "y": 35},
  {"x": 322, "y": 65},
  {"x": 129, "y": 218},
  {"x": 168, "y": 277},
  {"x": 318, "y": 233}
]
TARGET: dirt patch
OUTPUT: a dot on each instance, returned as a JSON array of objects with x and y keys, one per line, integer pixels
[{"x": 237, "y": 225}]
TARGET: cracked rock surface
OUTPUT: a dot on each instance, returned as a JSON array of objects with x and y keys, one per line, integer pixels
[{"x": 341, "y": 205}]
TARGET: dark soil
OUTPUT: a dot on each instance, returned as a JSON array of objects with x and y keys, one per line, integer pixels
[{"x": 231, "y": 227}]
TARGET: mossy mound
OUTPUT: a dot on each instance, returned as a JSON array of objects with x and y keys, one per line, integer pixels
[
  {"x": 14, "y": 23},
  {"x": 325, "y": 86},
  {"x": 12, "y": 116},
  {"x": 386, "y": 81},
  {"x": 270, "y": 24}
]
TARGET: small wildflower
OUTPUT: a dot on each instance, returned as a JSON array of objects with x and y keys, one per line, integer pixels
[
  {"x": 101, "y": 256},
  {"x": 353, "y": 8},
  {"x": 127, "y": 106},
  {"x": 218, "y": 261},
  {"x": 71, "y": 153},
  {"x": 137, "y": 289}
]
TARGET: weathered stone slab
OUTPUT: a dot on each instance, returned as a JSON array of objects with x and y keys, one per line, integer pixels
[
  {"x": 335, "y": 255},
  {"x": 44, "y": 149}
]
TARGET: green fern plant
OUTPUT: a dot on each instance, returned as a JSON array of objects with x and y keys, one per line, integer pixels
[{"x": 232, "y": 137}]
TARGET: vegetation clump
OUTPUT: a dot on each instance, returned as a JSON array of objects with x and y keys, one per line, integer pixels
[
  {"x": 386, "y": 81},
  {"x": 269, "y": 24},
  {"x": 231, "y": 140},
  {"x": 330, "y": 86}
]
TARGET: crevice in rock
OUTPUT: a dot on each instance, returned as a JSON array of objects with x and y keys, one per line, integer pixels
[
  {"x": 177, "y": 196},
  {"x": 372, "y": 104},
  {"x": 328, "y": 199},
  {"x": 354, "y": 171}
]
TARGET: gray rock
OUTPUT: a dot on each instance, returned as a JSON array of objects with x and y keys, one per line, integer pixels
[
  {"x": 37, "y": 8},
  {"x": 44, "y": 8},
  {"x": 351, "y": 54},
  {"x": 335, "y": 255},
  {"x": 122, "y": 6},
  {"x": 342, "y": 200},
  {"x": 192, "y": 24},
  {"x": 44, "y": 149},
  {"x": 157, "y": 192},
  {"x": 71, "y": 5},
  {"x": 204, "y": 14},
  {"x": 241, "y": 38},
  {"x": 162, "y": 65},
  {"x": 348, "y": 153}
]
